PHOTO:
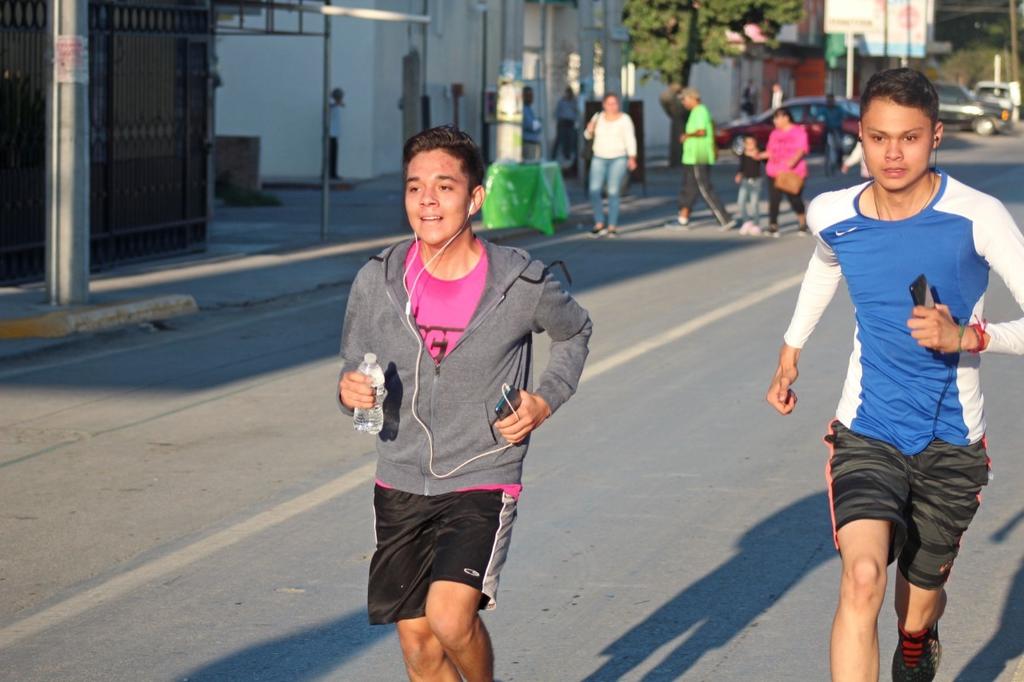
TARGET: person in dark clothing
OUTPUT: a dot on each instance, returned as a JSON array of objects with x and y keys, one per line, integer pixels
[
  {"x": 748, "y": 99},
  {"x": 567, "y": 115},
  {"x": 833, "y": 135},
  {"x": 335, "y": 106}
]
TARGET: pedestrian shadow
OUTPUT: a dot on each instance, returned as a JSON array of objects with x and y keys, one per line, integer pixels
[
  {"x": 1007, "y": 645},
  {"x": 308, "y": 654},
  {"x": 773, "y": 556}
]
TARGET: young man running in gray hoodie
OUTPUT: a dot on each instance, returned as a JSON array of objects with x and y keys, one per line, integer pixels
[{"x": 452, "y": 319}]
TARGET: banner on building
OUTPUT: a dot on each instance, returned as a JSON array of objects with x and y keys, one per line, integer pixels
[
  {"x": 906, "y": 33},
  {"x": 852, "y": 16}
]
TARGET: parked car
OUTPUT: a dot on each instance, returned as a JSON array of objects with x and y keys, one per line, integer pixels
[
  {"x": 807, "y": 111},
  {"x": 959, "y": 109},
  {"x": 1006, "y": 95}
]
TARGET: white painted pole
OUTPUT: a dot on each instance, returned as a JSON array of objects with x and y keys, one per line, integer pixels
[{"x": 67, "y": 207}]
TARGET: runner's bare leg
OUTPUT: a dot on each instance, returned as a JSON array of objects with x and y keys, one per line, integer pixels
[
  {"x": 864, "y": 546},
  {"x": 452, "y": 611},
  {"x": 917, "y": 608},
  {"x": 425, "y": 659}
]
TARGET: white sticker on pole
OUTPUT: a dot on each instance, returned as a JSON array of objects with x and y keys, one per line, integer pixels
[
  {"x": 71, "y": 59},
  {"x": 852, "y": 16}
]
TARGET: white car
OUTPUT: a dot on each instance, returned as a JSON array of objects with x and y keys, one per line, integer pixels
[{"x": 1006, "y": 95}]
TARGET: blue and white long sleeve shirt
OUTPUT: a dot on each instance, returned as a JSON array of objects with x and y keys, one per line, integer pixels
[{"x": 897, "y": 391}]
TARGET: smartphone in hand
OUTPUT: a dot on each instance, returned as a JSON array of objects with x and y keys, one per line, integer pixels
[
  {"x": 504, "y": 408},
  {"x": 921, "y": 293}
]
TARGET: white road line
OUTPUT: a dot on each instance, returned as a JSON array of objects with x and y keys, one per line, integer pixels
[
  {"x": 122, "y": 584},
  {"x": 175, "y": 561}
]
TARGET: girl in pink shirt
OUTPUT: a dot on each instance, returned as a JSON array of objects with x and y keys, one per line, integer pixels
[{"x": 787, "y": 148}]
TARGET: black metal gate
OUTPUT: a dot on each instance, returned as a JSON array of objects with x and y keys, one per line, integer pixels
[
  {"x": 149, "y": 138},
  {"x": 22, "y": 138}
]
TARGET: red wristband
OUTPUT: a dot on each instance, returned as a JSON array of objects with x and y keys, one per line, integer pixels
[{"x": 979, "y": 329}]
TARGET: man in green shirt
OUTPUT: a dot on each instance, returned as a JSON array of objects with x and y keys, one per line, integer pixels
[{"x": 698, "y": 157}]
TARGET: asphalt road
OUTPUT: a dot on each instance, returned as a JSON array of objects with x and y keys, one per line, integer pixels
[{"x": 187, "y": 503}]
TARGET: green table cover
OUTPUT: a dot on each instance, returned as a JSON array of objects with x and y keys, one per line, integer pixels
[{"x": 525, "y": 195}]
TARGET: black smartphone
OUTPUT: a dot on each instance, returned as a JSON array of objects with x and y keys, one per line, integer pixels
[
  {"x": 503, "y": 409},
  {"x": 921, "y": 293}
]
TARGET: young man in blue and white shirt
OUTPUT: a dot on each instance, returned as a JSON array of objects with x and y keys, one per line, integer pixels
[{"x": 908, "y": 450}]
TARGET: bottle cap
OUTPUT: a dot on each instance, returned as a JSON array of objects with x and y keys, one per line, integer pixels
[{"x": 370, "y": 358}]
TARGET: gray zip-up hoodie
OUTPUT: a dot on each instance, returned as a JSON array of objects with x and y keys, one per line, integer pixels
[{"x": 457, "y": 396}]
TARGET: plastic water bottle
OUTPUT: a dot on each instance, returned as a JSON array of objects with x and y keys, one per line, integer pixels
[{"x": 372, "y": 420}]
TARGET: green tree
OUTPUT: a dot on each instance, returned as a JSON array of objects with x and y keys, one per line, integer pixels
[
  {"x": 669, "y": 36},
  {"x": 972, "y": 64}
]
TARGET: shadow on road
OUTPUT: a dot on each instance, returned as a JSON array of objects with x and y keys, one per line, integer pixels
[
  {"x": 773, "y": 557},
  {"x": 309, "y": 654},
  {"x": 209, "y": 361},
  {"x": 1007, "y": 645}
]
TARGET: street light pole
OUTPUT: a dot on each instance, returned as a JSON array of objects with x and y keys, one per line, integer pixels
[
  {"x": 586, "y": 40},
  {"x": 325, "y": 181},
  {"x": 1014, "y": 54},
  {"x": 67, "y": 159},
  {"x": 485, "y": 134}
]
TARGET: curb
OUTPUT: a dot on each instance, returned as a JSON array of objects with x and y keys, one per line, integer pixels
[{"x": 77, "y": 320}]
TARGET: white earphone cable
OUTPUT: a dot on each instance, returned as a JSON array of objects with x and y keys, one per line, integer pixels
[{"x": 410, "y": 325}]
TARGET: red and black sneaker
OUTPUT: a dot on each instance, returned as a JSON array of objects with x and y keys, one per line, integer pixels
[{"x": 917, "y": 656}]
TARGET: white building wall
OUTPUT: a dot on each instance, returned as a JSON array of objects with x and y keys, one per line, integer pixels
[
  {"x": 272, "y": 88},
  {"x": 719, "y": 88},
  {"x": 272, "y": 85},
  {"x": 384, "y": 130}
]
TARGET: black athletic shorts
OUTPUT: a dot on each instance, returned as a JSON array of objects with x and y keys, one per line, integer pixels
[
  {"x": 462, "y": 537},
  {"x": 930, "y": 497}
]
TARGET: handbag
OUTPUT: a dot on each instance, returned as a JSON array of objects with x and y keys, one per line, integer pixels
[
  {"x": 588, "y": 145},
  {"x": 789, "y": 182}
]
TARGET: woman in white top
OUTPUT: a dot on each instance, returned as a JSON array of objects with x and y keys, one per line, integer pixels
[{"x": 614, "y": 144}]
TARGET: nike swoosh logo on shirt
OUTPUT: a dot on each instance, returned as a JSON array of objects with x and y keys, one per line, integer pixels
[{"x": 840, "y": 234}]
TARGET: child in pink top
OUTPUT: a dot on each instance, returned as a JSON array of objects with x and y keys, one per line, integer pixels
[{"x": 787, "y": 150}]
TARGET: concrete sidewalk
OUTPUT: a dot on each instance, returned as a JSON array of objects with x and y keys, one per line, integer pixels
[
  {"x": 253, "y": 255},
  {"x": 256, "y": 255}
]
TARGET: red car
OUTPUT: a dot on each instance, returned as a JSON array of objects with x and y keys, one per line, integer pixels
[{"x": 807, "y": 111}]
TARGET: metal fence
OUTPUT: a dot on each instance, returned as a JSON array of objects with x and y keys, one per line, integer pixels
[
  {"x": 22, "y": 135},
  {"x": 149, "y": 135}
]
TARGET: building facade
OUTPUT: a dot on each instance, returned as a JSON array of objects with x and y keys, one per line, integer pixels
[{"x": 271, "y": 87}]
